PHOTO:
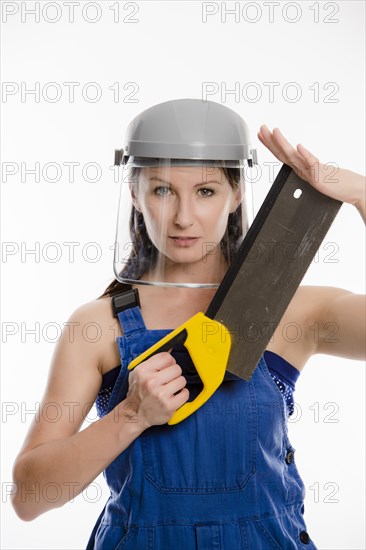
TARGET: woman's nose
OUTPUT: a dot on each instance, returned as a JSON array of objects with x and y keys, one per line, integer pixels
[{"x": 183, "y": 215}]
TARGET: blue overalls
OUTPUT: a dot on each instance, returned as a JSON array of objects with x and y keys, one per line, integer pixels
[{"x": 224, "y": 478}]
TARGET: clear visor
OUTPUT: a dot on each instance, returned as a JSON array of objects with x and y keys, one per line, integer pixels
[{"x": 180, "y": 222}]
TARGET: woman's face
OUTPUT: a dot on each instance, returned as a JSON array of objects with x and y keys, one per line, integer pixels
[{"x": 185, "y": 210}]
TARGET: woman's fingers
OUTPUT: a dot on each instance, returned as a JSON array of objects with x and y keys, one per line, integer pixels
[
  {"x": 158, "y": 362},
  {"x": 175, "y": 386},
  {"x": 292, "y": 157},
  {"x": 309, "y": 158},
  {"x": 278, "y": 145},
  {"x": 272, "y": 143},
  {"x": 163, "y": 374},
  {"x": 179, "y": 399},
  {"x": 282, "y": 143},
  {"x": 168, "y": 374},
  {"x": 265, "y": 136}
]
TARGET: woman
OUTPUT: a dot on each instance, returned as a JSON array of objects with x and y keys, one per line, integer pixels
[{"x": 226, "y": 476}]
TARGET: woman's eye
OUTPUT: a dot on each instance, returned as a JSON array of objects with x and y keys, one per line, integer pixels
[
  {"x": 162, "y": 191},
  {"x": 205, "y": 192}
]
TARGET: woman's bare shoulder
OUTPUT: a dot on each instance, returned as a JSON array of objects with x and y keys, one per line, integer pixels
[
  {"x": 97, "y": 309},
  {"x": 94, "y": 325}
]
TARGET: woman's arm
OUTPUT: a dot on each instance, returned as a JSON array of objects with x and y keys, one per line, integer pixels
[
  {"x": 56, "y": 454},
  {"x": 338, "y": 325}
]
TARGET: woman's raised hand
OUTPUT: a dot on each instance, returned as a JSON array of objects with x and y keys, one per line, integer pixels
[{"x": 335, "y": 182}]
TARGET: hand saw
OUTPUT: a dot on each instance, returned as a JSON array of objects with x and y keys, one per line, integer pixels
[{"x": 256, "y": 289}]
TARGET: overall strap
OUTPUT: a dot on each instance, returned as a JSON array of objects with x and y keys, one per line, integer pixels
[{"x": 126, "y": 307}]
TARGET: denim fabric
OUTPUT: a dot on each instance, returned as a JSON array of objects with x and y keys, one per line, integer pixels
[{"x": 221, "y": 479}]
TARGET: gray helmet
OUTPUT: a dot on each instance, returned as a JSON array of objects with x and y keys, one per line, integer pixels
[{"x": 187, "y": 129}]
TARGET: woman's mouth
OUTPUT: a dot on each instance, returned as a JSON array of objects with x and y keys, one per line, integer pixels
[{"x": 184, "y": 242}]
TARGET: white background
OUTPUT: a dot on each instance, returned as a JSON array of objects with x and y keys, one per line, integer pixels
[{"x": 167, "y": 51}]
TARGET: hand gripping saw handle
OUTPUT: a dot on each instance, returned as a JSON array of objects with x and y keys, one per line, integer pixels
[{"x": 208, "y": 343}]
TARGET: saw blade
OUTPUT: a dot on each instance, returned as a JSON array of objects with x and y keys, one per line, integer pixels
[{"x": 269, "y": 266}]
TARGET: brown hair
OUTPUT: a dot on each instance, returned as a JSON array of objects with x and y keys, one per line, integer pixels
[{"x": 144, "y": 253}]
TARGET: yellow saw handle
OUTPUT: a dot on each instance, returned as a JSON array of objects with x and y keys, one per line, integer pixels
[{"x": 208, "y": 343}]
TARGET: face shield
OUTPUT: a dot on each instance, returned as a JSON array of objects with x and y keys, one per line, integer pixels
[
  {"x": 180, "y": 221},
  {"x": 184, "y": 204}
]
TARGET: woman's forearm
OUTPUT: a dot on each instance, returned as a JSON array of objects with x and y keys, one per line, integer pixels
[{"x": 55, "y": 472}]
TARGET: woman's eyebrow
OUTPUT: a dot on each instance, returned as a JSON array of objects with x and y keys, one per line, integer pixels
[
  {"x": 156, "y": 178},
  {"x": 151, "y": 178},
  {"x": 208, "y": 181}
]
